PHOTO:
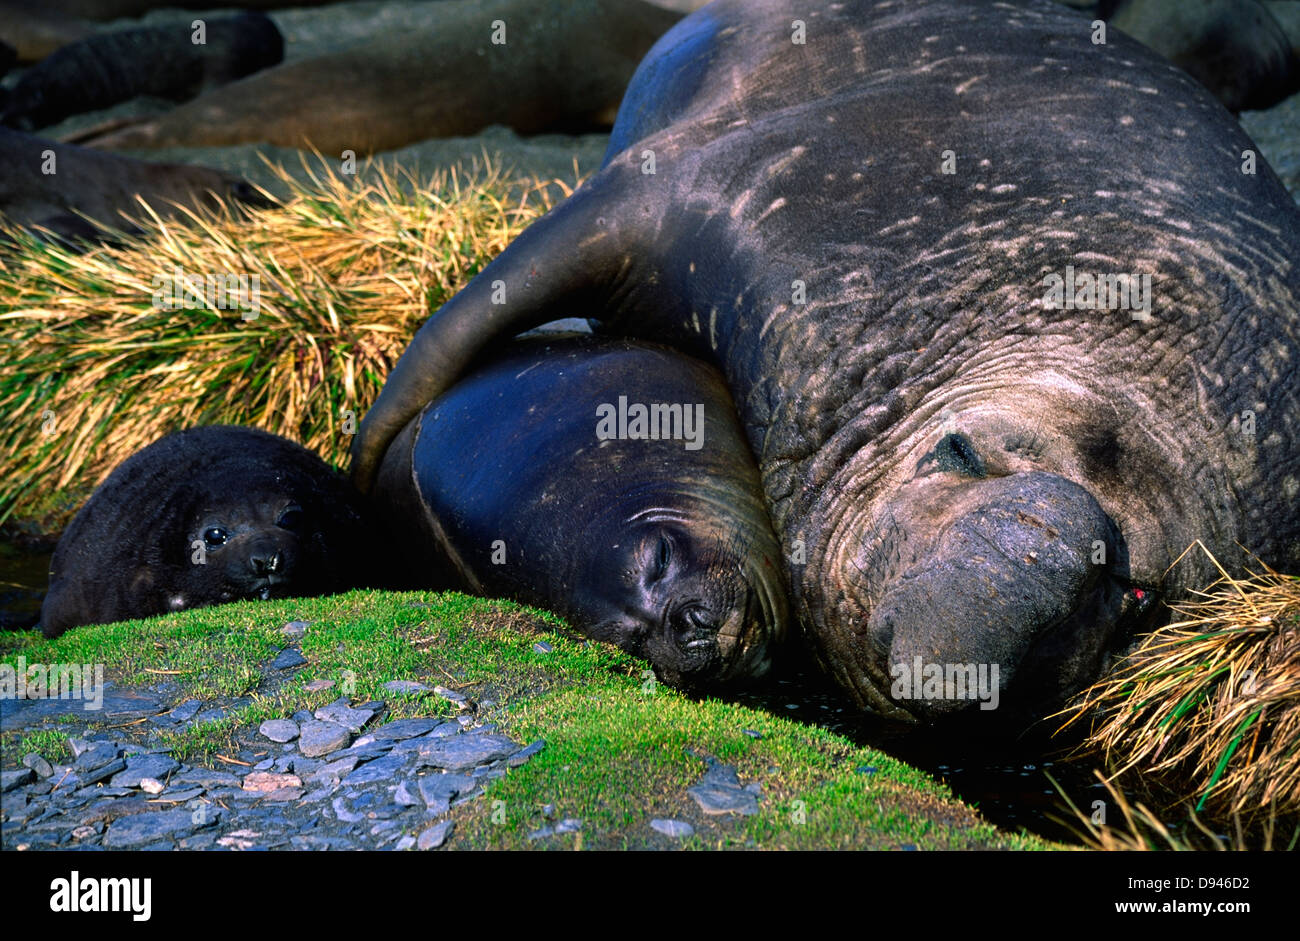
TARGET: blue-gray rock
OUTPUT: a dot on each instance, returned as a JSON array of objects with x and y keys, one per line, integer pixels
[
  {"x": 381, "y": 769},
  {"x": 719, "y": 792},
  {"x": 341, "y": 713},
  {"x": 403, "y": 729},
  {"x": 568, "y": 825},
  {"x": 343, "y": 813},
  {"x": 464, "y": 752},
  {"x": 405, "y": 687},
  {"x": 404, "y": 797},
  {"x": 174, "y": 795},
  {"x": 319, "y": 737},
  {"x": 279, "y": 730},
  {"x": 140, "y": 830},
  {"x": 102, "y": 773},
  {"x": 866, "y": 769},
  {"x": 521, "y": 757},
  {"x": 288, "y": 658},
  {"x": 542, "y": 647},
  {"x": 541, "y": 834},
  {"x": 186, "y": 710},
  {"x": 96, "y": 756},
  {"x": 436, "y": 835},
  {"x": 144, "y": 766},
  {"x": 752, "y": 733},
  {"x": 405, "y": 843},
  {"x": 451, "y": 695},
  {"x": 265, "y": 765},
  {"x": 204, "y": 777},
  {"x": 39, "y": 765},
  {"x": 295, "y": 628},
  {"x": 12, "y": 779},
  {"x": 677, "y": 829},
  {"x": 445, "y": 786}
]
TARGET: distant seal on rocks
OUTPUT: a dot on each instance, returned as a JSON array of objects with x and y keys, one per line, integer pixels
[
  {"x": 515, "y": 481},
  {"x": 871, "y": 232},
  {"x": 162, "y": 61},
  {"x": 204, "y": 516},
  {"x": 100, "y": 186},
  {"x": 562, "y": 65}
]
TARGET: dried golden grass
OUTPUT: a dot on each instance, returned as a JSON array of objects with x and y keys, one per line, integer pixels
[
  {"x": 348, "y": 269},
  {"x": 1209, "y": 706}
]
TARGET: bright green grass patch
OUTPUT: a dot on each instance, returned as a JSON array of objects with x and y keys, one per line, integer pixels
[{"x": 621, "y": 749}]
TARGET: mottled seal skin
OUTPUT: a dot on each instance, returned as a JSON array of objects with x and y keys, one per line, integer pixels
[
  {"x": 87, "y": 183},
  {"x": 162, "y": 61},
  {"x": 564, "y": 67},
  {"x": 957, "y": 470},
  {"x": 273, "y": 520},
  {"x": 503, "y": 487}
]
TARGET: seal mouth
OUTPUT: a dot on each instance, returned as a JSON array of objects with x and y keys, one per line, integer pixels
[{"x": 263, "y": 590}]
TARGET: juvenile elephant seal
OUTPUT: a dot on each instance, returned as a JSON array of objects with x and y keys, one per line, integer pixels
[
  {"x": 559, "y": 65},
  {"x": 660, "y": 544},
  {"x": 205, "y": 516},
  {"x": 163, "y": 61},
  {"x": 966, "y": 466},
  {"x": 57, "y": 186}
]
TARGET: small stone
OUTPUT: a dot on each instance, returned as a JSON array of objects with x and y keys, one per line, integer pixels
[
  {"x": 403, "y": 729},
  {"x": 568, "y": 825},
  {"x": 295, "y": 628},
  {"x": 315, "y": 686},
  {"x": 288, "y": 659},
  {"x": 12, "y": 779},
  {"x": 83, "y": 832},
  {"x": 450, "y": 695},
  {"x": 180, "y": 796},
  {"x": 144, "y": 766},
  {"x": 186, "y": 710},
  {"x": 521, "y": 757},
  {"x": 405, "y": 687},
  {"x": 719, "y": 792},
  {"x": 265, "y": 765},
  {"x": 342, "y": 714},
  {"x": 541, "y": 834},
  {"x": 318, "y": 738},
  {"x": 39, "y": 765},
  {"x": 908, "y": 846},
  {"x": 284, "y": 794},
  {"x": 548, "y": 811},
  {"x": 436, "y": 835},
  {"x": 204, "y": 777},
  {"x": 139, "y": 830},
  {"x": 381, "y": 769},
  {"x": 751, "y": 733},
  {"x": 77, "y": 746},
  {"x": 542, "y": 647},
  {"x": 466, "y": 751},
  {"x": 405, "y": 843},
  {"x": 866, "y": 769},
  {"x": 152, "y": 786},
  {"x": 342, "y": 812},
  {"x": 677, "y": 829},
  {"x": 404, "y": 796},
  {"x": 434, "y": 787},
  {"x": 270, "y": 781},
  {"x": 87, "y": 778},
  {"x": 279, "y": 730},
  {"x": 96, "y": 756}
]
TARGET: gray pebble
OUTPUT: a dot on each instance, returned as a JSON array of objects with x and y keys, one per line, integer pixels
[
  {"x": 719, "y": 792},
  {"x": 466, "y": 751},
  {"x": 279, "y": 730},
  {"x": 341, "y": 713},
  {"x": 38, "y": 764},
  {"x": 204, "y": 777},
  {"x": 96, "y": 756},
  {"x": 542, "y": 647},
  {"x": 405, "y": 843},
  {"x": 436, "y": 835},
  {"x": 288, "y": 658},
  {"x": 568, "y": 825},
  {"x": 521, "y": 757},
  {"x": 139, "y": 830},
  {"x": 186, "y": 710},
  {"x": 12, "y": 779},
  {"x": 677, "y": 829},
  {"x": 405, "y": 687},
  {"x": 382, "y": 769},
  {"x": 295, "y": 628},
  {"x": 318, "y": 738},
  {"x": 342, "y": 812},
  {"x": 144, "y": 766},
  {"x": 87, "y": 778},
  {"x": 265, "y": 765},
  {"x": 404, "y": 796}
]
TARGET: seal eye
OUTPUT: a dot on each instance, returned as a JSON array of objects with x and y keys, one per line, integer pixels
[
  {"x": 291, "y": 519},
  {"x": 215, "y": 536},
  {"x": 956, "y": 453},
  {"x": 663, "y": 556}
]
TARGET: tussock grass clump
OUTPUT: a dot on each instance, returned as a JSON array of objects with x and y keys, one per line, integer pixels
[
  {"x": 1210, "y": 704},
  {"x": 345, "y": 270}
]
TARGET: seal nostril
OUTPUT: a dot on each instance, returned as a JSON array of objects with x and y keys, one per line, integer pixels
[{"x": 265, "y": 563}]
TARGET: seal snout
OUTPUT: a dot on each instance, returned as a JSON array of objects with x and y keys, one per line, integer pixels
[{"x": 1020, "y": 588}]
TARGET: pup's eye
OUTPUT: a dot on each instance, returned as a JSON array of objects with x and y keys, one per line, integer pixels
[
  {"x": 215, "y": 536},
  {"x": 956, "y": 453},
  {"x": 663, "y": 555},
  {"x": 291, "y": 519}
]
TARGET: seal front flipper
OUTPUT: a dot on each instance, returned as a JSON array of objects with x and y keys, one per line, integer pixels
[{"x": 583, "y": 258}]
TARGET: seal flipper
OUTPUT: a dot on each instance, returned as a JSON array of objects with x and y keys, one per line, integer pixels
[{"x": 573, "y": 261}]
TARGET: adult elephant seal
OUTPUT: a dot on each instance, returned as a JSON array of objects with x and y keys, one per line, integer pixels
[
  {"x": 164, "y": 61},
  {"x": 205, "y": 516},
  {"x": 963, "y": 471},
  {"x": 559, "y": 65},
  {"x": 78, "y": 194},
  {"x": 517, "y": 484}
]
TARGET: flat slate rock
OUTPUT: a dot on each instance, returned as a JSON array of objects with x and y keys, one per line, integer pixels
[
  {"x": 12, "y": 779},
  {"x": 139, "y": 767},
  {"x": 677, "y": 829},
  {"x": 288, "y": 658},
  {"x": 279, "y": 730},
  {"x": 342, "y": 714},
  {"x": 719, "y": 792},
  {"x": 38, "y": 764},
  {"x": 521, "y": 757},
  {"x": 464, "y": 752},
  {"x": 118, "y": 704},
  {"x": 318, "y": 737},
  {"x": 401, "y": 729},
  {"x": 139, "y": 830},
  {"x": 402, "y": 687},
  {"x": 204, "y": 777},
  {"x": 436, "y": 835},
  {"x": 445, "y": 786},
  {"x": 381, "y": 769}
]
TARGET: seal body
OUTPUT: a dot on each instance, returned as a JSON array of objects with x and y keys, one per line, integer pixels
[
  {"x": 871, "y": 232},
  {"x": 607, "y": 481},
  {"x": 164, "y": 61},
  {"x": 205, "y": 516}
]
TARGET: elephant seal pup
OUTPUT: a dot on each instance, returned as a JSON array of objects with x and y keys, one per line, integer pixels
[
  {"x": 562, "y": 66},
  {"x": 87, "y": 183},
  {"x": 972, "y": 458},
  {"x": 162, "y": 61},
  {"x": 205, "y": 516},
  {"x": 661, "y": 545}
]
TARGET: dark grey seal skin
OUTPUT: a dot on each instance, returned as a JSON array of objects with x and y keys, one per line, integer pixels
[
  {"x": 957, "y": 470},
  {"x": 663, "y": 547},
  {"x": 269, "y": 518},
  {"x": 161, "y": 61},
  {"x": 90, "y": 191}
]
